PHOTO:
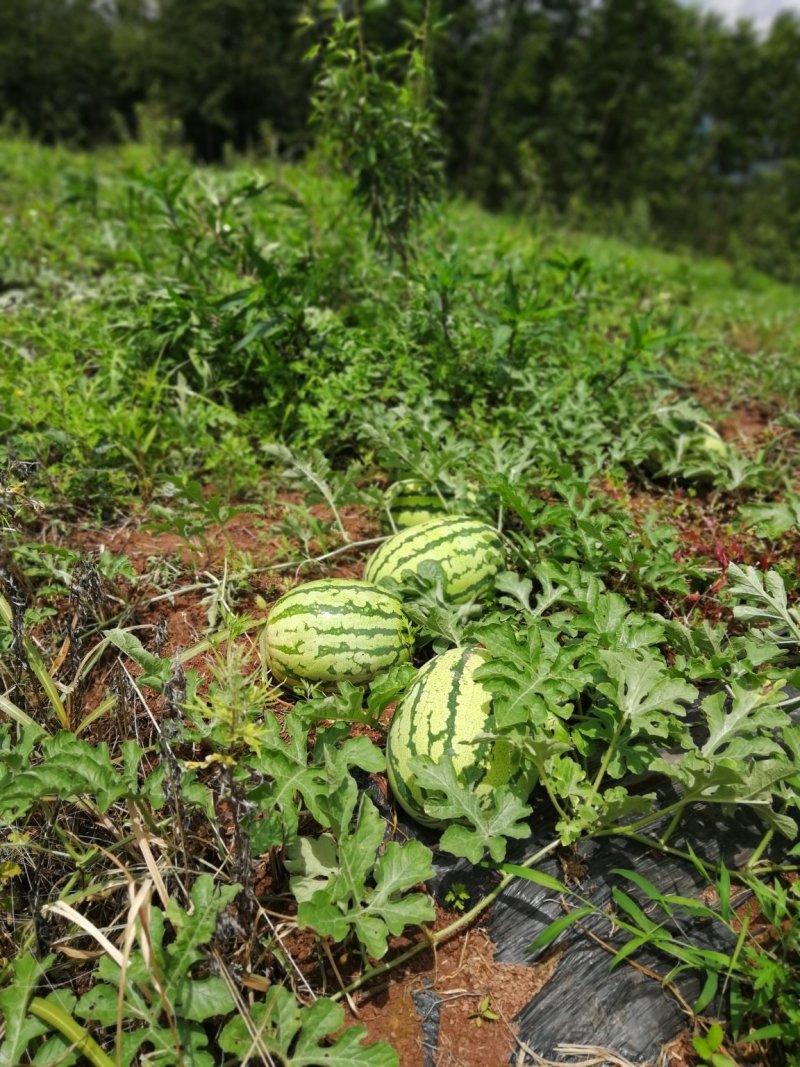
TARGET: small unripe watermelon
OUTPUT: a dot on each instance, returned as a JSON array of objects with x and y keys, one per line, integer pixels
[
  {"x": 336, "y": 630},
  {"x": 439, "y": 717},
  {"x": 469, "y": 551}
]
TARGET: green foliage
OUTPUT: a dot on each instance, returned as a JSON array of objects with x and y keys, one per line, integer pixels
[
  {"x": 457, "y": 896},
  {"x": 707, "y": 1046},
  {"x": 230, "y": 71},
  {"x": 20, "y": 1028},
  {"x": 652, "y": 121},
  {"x": 344, "y": 885},
  {"x": 234, "y": 326},
  {"x": 68, "y": 767},
  {"x": 767, "y": 603},
  {"x": 192, "y": 358},
  {"x": 755, "y": 975},
  {"x": 775, "y": 519},
  {"x": 301, "y": 1037},
  {"x": 347, "y": 704},
  {"x": 287, "y": 774},
  {"x": 159, "y": 996},
  {"x": 488, "y": 823},
  {"x": 374, "y": 113},
  {"x": 775, "y": 985},
  {"x": 44, "y": 87}
]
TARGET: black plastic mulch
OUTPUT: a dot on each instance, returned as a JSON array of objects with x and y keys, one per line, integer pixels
[{"x": 585, "y": 1003}]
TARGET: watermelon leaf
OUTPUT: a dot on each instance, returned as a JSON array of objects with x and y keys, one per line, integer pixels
[
  {"x": 741, "y": 760},
  {"x": 388, "y": 687},
  {"x": 529, "y": 674},
  {"x": 325, "y": 785},
  {"x": 346, "y": 705},
  {"x": 156, "y": 670},
  {"x": 301, "y": 1036},
  {"x": 20, "y": 1028},
  {"x": 437, "y": 620},
  {"x": 768, "y": 602},
  {"x": 358, "y": 889},
  {"x": 644, "y": 692},
  {"x": 70, "y": 767},
  {"x": 188, "y": 1000},
  {"x": 732, "y": 731},
  {"x": 775, "y": 519},
  {"x": 490, "y": 820}
]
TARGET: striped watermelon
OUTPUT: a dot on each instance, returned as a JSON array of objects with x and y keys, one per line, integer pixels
[
  {"x": 469, "y": 552},
  {"x": 409, "y": 503},
  {"x": 336, "y": 630},
  {"x": 438, "y": 717}
]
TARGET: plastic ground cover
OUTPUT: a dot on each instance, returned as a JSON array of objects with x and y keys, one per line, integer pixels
[{"x": 585, "y": 1003}]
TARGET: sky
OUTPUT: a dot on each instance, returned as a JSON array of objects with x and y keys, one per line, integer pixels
[{"x": 761, "y": 12}]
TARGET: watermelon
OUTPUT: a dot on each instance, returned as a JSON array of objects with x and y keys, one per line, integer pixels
[
  {"x": 409, "y": 503},
  {"x": 336, "y": 630},
  {"x": 469, "y": 552},
  {"x": 440, "y": 715}
]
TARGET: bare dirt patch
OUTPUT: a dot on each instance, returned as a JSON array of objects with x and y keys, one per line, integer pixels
[
  {"x": 748, "y": 424},
  {"x": 710, "y": 533},
  {"x": 252, "y": 532},
  {"x": 476, "y": 998},
  {"x": 179, "y": 577},
  {"x": 752, "y": 338}
]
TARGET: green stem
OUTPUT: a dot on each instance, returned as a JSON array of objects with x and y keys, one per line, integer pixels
[
  {"x": 362, "y": 47},
  {"x": 606, "y": 760},
  {"x": 673, "y": 823},
  {"x": 57, "y": 1019},
  {"x": 552, "y": 797},
  {"x": 633, "y": 827},
  {"x": 759, "y": 849},
  {"x": 448, "y": 931},
  {"x": 649, "y": 842},
  {"x": 426, "y": 55},
  {"x": 438, "y": 492}
]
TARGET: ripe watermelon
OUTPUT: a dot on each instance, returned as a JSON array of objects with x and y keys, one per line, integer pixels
[
  {"x": 336, "y": 630},
  {"x": 469, "y": 552},
  {"x": 439, "y": 716},
  {"x": 410, "y": 502}
]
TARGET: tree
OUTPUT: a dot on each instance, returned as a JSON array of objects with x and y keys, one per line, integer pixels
[
  {"x": 56, "y": 70},
  {"x": 226, "y": 67}
]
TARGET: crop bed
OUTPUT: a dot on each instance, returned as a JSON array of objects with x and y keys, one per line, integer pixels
[{"x": 212, "y": 388}]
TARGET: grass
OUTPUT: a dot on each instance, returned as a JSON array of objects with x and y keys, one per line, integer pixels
[{"x": 209, "y": 380}]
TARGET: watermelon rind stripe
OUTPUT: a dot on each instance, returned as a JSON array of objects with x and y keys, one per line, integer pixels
[
  {"x": 399, "y": 559},
  {"x": 350, "y": 632},
  {"x": 336, "y": 630},
  {"x": 310, "y": 608},
  {"x": 469, "y": 552},
  {"x": 338, "y": 586},
  {"x": 409, "y": 503},
  {"x": 411, "y": 541},
  {"x": 412, "y": 502},
  {"x": 321, "y": 650},
  {"x": 442, "y": 713}
]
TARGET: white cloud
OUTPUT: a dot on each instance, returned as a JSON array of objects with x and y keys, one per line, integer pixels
[{"x": 761, "y": 12}]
